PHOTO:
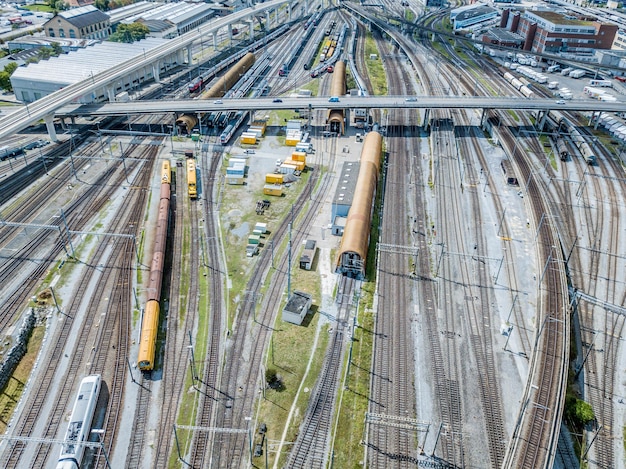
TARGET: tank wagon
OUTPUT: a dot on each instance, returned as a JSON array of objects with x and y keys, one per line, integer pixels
[
  {"x": 187, "y": 122},
  {"x": 150, "y": 323},
  {"x": 336, "y": 117},
  {"x": 79, "y": 427},
  {"x": 562, "y": 150},
  {"x": 352, "y": 254},
  {"x": 191, "y": 179}
]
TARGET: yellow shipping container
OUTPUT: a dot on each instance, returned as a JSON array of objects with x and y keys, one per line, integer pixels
[
  {"x": 248, "y": 139},
  {"x": 292, "y": 142},
  {"x": 273, "y": 189},
  {"x": 298, "y": 164},
  {"x": 272, "y": 178},
  {"x": 298, "y": 156}
]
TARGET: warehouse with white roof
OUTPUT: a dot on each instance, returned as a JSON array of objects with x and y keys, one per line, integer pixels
[
  {"x": 41, "y": 79},
  {"x": 169, "y": 20}
]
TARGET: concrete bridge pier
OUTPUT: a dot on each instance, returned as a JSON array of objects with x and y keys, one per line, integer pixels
[{"x": 52, "y": 133}]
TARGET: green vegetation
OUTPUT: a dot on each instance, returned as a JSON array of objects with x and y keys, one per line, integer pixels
[
  {"x": 42, "y": 7},
  {"x": 375, "y": 67},
  {"x": 129, "y": 33},
  {"x": 57, "y": 5},
  {"x": 289, "y": 384},
  {"x": 578, "y": 411},
  {"x": 5, "y": 76},
  {"x": 13, "y": 392},
  {"x": 409, "y": 15},
  {"x": 44, "y": 53}
]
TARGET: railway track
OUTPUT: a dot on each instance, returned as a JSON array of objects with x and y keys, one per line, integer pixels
[
  {"x": 311, "y": 448},
  {"x": 533, "y": 444},
  {"x": 240, "y": 377},
  {"x": 80, "y": 356}
]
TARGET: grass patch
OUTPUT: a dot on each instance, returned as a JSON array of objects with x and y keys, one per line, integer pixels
[
  {"x": 289, "y": 351},
  {"x": 375, "y": 67},
  {"x": 233, "y": 217},
  {"x": 189, "y": 406},
  {"x": 39, "y": 7},
  {"x": 13, "y": 392},
  {"x": 351, "y": 423}
]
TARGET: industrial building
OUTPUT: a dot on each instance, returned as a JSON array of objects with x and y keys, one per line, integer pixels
[
  {"x": 85, "y": 22},
  {"x": 168, "y": 20},
  {"x": 552, "y": 32},
  {"x": 342, "y": 201},
  {"x": 474, "y": 16},
  {"x": 29, "y": 42},
  {"x": 297, "y": 306},
  {"x": 47, "y": 76}
]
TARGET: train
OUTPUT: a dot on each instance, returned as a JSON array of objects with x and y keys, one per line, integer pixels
[
  {"x": 9, "y": 152},
  {"x": 79, "y": 427},
  {"x": 150, "y": 322},
  {"x": 559, "y": 125},
  {"x": 562, "y": 150},
  {"x": 295, "y": 53},
  {"x": 520, "y": 84},
  {"x": 196, "y": 85},
  {"x": 232, "y": 127},
  {"x": 192, "y": 188}
]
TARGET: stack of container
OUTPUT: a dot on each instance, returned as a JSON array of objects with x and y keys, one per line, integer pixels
[
  {"x": 249, "y": 138},
  {"x": 293, "y": 137},
  {"x": 272, "y": 178},
  {"x": 259, "y": 127},
  {"x": 298, "y": 159},
  {"x": 236, "y": 173}
]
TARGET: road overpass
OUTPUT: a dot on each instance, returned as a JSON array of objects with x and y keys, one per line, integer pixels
[
  {"x": 47, "y": 107},
  {"x": 349, "y": 102}
]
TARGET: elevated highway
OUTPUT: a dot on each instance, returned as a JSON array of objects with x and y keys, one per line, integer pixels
[
  {"x": 349, "y": 102},
  {"x": 46, "y": 108}
]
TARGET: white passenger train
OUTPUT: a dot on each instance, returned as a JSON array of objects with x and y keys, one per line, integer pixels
[{"x": 80, "y": 423}]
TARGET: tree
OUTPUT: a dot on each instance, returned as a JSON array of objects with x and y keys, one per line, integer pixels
[
  {"x": 58, "y": 5},
  {"x": 102, "y": 5},
  {"x": 129, "y": 33},
  {"x": 5, "y": 76},
  {"x": 56, "y": 48},
  {"x": 578, "y": 411}
]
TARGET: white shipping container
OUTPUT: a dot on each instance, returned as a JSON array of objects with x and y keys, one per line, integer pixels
[
  {"x": 577, "y": 73},
  {"x": 553, "y": 85}
]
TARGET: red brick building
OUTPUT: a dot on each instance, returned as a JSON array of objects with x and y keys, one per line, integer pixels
[{"x": 548, "y": 31}]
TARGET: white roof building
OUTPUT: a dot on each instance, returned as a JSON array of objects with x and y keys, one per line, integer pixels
[{"x": 41, "y": 79}]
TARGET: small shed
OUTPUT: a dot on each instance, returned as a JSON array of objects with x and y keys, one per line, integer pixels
[
  {"x": 254, "y": 239},
  {"x": 297, "y": 306},
  {"x": 308, "y": 255},
  {"x": 262, "y": 227}
]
